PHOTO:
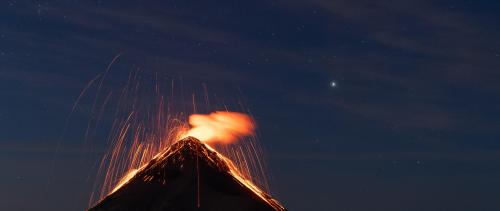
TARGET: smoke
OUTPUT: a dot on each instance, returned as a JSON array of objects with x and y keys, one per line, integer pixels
[{"x": 220, "y": 127}]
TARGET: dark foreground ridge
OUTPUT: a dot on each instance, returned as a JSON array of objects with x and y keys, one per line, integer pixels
[{"x": 186, "y": 176}]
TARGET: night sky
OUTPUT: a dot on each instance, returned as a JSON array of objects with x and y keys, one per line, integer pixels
[{"x": 411, "y": 123}]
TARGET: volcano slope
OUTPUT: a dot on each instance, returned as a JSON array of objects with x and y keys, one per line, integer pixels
[{"x": 189, "y": 175}]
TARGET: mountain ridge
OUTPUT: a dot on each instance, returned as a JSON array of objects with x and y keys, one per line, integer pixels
[{"x": 189, "y": 175}]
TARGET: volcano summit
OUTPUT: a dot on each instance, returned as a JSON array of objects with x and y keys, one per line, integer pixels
[{"x": 188, "y": 175}]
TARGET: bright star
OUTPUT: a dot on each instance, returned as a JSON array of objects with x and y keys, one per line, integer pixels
[{"x": 333, "y": 84}]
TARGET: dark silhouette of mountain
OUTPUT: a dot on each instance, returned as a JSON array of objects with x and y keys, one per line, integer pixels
[{"x": 189, "y": 175}]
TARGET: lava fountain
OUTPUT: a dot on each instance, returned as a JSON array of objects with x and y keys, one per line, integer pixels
[
  {"x": 218, "y": 134},
  {"x": 220, "y": 127},
  {"x": 149, "y": 123}
]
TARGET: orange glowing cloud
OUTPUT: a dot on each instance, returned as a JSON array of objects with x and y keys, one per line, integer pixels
[{"x": 220, "y": 127}]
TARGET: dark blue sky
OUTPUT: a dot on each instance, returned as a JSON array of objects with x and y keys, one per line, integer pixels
[{"x": 413, "y": 123}]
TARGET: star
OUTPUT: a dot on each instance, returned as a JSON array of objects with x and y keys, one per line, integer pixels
[{"x": 333, "y": 84}]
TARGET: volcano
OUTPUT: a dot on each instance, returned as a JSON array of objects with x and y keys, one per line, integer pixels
[{"x": 189, "y": 175}]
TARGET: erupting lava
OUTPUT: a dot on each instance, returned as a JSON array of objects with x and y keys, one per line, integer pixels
[
  {"x": 220, "y": 127},
  {"x": 148, "y": 122},
  {"x": 188, "y": 175},
  {"x": 135, "y": 148}
]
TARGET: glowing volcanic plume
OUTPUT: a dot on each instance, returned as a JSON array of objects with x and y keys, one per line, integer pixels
[
  {"x": 147, "y": 120},
  {"x": 220, "y": 127}
]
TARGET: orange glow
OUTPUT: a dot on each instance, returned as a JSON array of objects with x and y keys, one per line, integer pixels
[
  {"x": 133, "y": 147},
  {"x": 135, "y": 142},
  {"x": 220, "y": 127},
  {"x": 125, "y": 179},
  {"x": 147, "y": 121},
  {"x": 233, "y": 170}
]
